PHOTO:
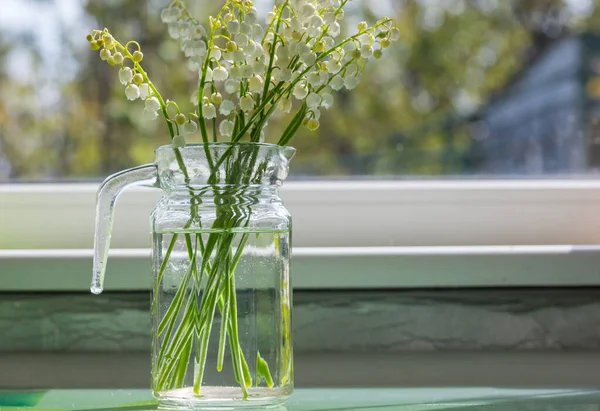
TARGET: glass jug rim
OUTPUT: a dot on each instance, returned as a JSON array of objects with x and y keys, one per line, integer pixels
[{"x": 288, "y": 149}]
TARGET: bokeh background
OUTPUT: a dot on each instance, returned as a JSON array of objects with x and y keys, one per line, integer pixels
[{"x": 474, "y": 88}]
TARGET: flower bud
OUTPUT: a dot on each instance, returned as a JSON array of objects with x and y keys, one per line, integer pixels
[
  {"x": 109, "y": 41},
  {"x": 216, "y": 98},
  {"x": 138, "y": 56},
  {"x": 180, "y": 119},
  {"x": 231, "y": 46},
  {"x": 313, "y": 124},
  {"x": 138, "y": 79},
  {"x": 105, "y": 54}
]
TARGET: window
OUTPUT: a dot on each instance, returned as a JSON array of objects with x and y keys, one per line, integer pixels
[
  {"x": 505, "y": 91},
  {"x": 475, "y": 88}
]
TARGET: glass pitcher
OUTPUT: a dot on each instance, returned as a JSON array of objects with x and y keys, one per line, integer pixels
[{"x": 222, "y": 299}]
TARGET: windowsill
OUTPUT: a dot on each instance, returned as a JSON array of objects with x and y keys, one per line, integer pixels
[{"x": 331, "y": 268}]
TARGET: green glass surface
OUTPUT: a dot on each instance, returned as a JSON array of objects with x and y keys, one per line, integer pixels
[{"x": 421, "y": 399}]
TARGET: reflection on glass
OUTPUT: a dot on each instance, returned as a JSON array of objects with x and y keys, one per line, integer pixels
[{"x": 475, "y": 87}]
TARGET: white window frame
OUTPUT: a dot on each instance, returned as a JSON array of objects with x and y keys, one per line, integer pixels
[{"x": 347, "y": 234}]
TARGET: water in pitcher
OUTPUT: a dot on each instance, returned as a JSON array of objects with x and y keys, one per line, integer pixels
[{"x": 216, "y": 290}]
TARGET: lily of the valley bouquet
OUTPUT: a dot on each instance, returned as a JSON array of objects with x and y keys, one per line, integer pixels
[{"x": 247, "y": 69}]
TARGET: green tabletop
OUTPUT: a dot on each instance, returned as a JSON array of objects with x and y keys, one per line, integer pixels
[{"x": 422, "y": 399}]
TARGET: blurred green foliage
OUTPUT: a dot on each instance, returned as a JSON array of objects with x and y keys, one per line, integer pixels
[{"x": 406, "y": 117}]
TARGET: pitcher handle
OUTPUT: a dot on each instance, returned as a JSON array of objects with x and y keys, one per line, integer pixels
[{"x": 108, "y": 192}]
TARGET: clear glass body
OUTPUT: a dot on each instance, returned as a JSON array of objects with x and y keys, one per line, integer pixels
[{"x": 222, "y": 298}]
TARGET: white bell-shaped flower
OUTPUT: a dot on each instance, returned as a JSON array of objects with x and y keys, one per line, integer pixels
[
  {"x": 190, "y": 127},
  {"x": 233, "y": 26},
  {"x": 285, "y": 105},
  {"x": 241, "y": 40},
  {"x": 170, "y": 15},
  {"x": 235, "y": 73},
  {"x": 333, "y": 66},
  {"x": 366, "y": 51},
  {"x": 327, "y": 100},
  {"x": 334, "y": 29},
  {"x": 256, "y": 84},
  {"x": 132, "y": 92},
  {"x": 250, "y": 49},
  {"x": 251, "y": 16},
  {"x": 337, "y": 83},
  {"x": 209, "y": 111},
  {"x": 314, "y": 79},
  {"x": 226, "y": 107},
  {"x": 209, "y": 74},
  {"x": 220, "y": 74},
  {"x": 149, "y": 115},
  {"x": 144, "y": 91},
  {"x": 247, "y": 71},
  {"x": 329, "y": 17},
  {"x": 350, "y": 82},
  {"x": 152, "y": 104},
  {"x": 313, "y": 100},
  {"x": 300, "y": 91},
  {"x": 247, "y": 28},
  {"x": 314, "y": 26},
  {"x": 216, "y": 54},
  {"x": 302, "y": 48},
  {"x": 307, "y": 11},
  {"x": 247, "y": 103},
  {"x": 309, "y": 58},
  {"x": 258, "y": 50},
  {"x": 239, "y": 56},
  {"x": 283, "y": 52},
  {"x": 259, "y": 67},
  {"x": 125, "y": 75},
  {"x": 231, "y": 86},
  {"x": 258, "y": 31},
  {"x": 284, "y": 74},
  {"x": 226, "y": 128}
]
